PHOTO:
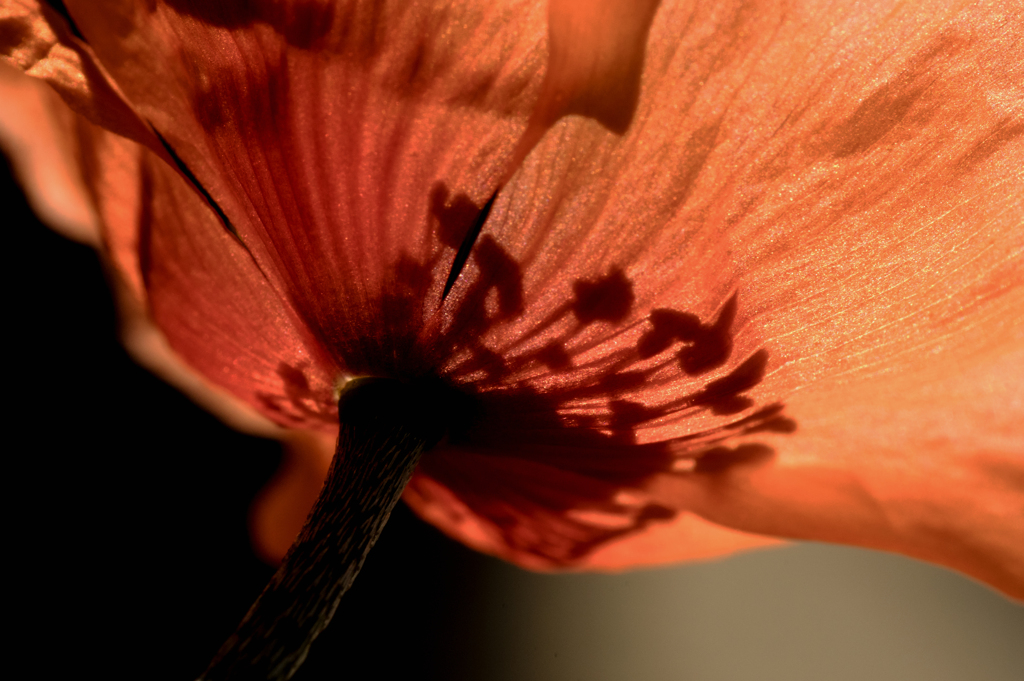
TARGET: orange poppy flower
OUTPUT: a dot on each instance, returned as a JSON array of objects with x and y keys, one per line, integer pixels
[{"x": 749, "y": 270}]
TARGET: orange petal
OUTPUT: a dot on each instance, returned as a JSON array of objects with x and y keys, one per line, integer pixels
[
  {"x": 201, "y": 288},
  {"x": 237, "y": 90},
  {"x": 596, "y": 58},
  {"x": 38, "y": 41},
  {"x": 648, "y": 317},
  {"x": 34, "y": 135},
  {"x": 595, "y": 63},
  {"x": 927, "y": 461},
  {"x": 133, "y": 206},
  {"x": 861, "y": 241},
  {"x": 279, "y": 512}
]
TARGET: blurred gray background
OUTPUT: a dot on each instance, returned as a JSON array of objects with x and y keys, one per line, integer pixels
[{"x": 803, "y": 612}]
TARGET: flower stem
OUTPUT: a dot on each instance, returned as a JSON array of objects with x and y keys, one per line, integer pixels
[{"x": 385, "y": 427}]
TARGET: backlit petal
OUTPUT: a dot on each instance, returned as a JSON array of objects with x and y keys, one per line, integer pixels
[
  {"x": 863, "y": 241},
  {"x": 739, "y": 307},
  {"x": 37, "y": 40},
  {"x": 201, "y": 287},
  {"x": 595, "y": 61},
  {"x": 34, "y": 135},
  {"x": 177, "y": 289},
  {"x": 325, "y": 128}
]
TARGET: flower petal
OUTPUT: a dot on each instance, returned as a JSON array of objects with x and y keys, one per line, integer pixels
[
  {"x": 595, "y": 61},
  {"x": 927, "y": 461},
  {"x": 279, "y": 512},
  {"x": 135, "y": 205},
  {"x": 596, "y": 55},
  {"x": 201, "y": 288},
  {"x": 813, "y": 177},
  {"x": 806, "y": 198},
  {"x": 37, "y": 40},
  {"x": 33, "y": 135},
  {"x": 410, "y": 98}
]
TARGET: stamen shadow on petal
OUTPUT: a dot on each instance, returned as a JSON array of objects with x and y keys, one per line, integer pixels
[
  {"x": 562, "y": 426},
  {"x": 558, "y": 451}
]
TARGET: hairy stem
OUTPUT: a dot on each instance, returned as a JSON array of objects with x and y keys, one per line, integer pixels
[{"x": 384, "y": 430}]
